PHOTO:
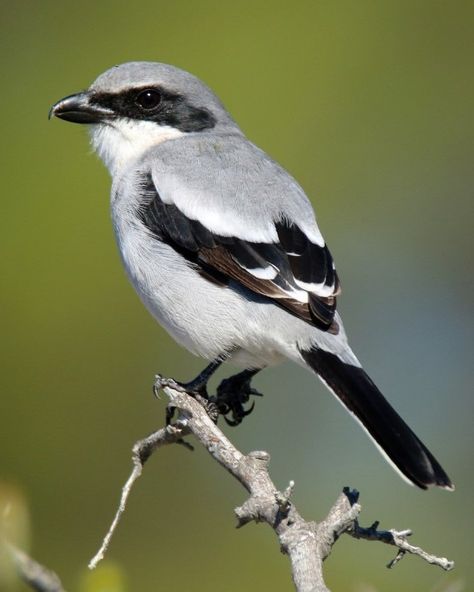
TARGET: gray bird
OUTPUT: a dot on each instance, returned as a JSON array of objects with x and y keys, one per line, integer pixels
[{"x": 223, "y": 248}]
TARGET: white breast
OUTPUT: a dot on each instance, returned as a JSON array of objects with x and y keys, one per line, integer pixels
[{"x": 122, "y": 141}]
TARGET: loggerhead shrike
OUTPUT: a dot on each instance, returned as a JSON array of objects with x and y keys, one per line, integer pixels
[{"x": 222, "y": 245}]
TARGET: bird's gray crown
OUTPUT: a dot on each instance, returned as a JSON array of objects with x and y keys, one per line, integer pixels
[{"x": 184, "y": 101}]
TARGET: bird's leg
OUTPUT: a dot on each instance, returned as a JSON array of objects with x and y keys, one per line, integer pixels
[
  {"x": 196, "y": 385},
  {"x": 196, "y": 388},
  {"x": 233, "y": 393},
  {"x": 199, "y": 384}
]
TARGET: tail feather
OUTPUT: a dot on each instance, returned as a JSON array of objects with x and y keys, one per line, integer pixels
[{"x": 362, "y": 398}]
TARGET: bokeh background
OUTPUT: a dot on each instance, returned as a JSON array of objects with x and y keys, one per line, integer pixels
[{"x": 370, "y": 106}]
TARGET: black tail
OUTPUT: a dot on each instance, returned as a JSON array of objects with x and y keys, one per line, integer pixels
[{"x": 361, "y": 397}]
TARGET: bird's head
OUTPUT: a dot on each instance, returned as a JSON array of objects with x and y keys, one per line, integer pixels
[{"x": 135, "y": 106}]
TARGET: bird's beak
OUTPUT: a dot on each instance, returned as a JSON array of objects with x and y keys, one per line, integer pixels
[{"x": 79, "y": 109}]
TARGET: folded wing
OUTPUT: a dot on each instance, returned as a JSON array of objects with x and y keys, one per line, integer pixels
[{"x": 296, "y": 273}]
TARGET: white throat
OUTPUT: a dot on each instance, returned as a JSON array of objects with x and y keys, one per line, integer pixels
[{"x": 120, "y": 142}]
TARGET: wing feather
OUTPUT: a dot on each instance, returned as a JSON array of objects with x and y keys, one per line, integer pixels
[{"x": 296, "y": 273}]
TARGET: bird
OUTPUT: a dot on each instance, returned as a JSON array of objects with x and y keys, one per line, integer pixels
[{"x": 222, "y": 245}]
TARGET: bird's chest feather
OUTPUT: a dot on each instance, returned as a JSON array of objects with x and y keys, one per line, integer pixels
[
  {"x": 148, "y": 263},
  {"x": 170, "y": 289}
]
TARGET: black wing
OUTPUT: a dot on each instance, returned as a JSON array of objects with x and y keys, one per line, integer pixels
[{"x": 296, "y": 273}]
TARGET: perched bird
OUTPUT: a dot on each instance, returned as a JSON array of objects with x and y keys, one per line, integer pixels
[{"x": 222, "y": 246}]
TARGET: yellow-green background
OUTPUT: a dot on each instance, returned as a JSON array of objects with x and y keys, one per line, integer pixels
[{"x": 370, "y": 106}]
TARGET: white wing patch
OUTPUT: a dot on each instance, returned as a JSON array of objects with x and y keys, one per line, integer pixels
[
  {"x": 267, "y": 273},
  {"x": 192, "y": 203}
]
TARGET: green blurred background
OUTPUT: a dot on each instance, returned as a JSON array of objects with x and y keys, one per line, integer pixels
[{"x": 370, "y": 106}]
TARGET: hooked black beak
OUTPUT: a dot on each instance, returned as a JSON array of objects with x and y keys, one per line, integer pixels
[{"x": 78, "y": 109}]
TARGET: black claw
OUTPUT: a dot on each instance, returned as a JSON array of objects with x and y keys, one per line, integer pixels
[
  {"x": 231, "y": 422},
  {"x": 249, "y": 410},
  {"x": 232, "y": 394},
  {"x": 195, "y": 388},
  {"x": 169, "y": 414}
]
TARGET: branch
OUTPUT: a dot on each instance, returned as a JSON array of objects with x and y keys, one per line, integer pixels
[
  {"x": 397, "y": 539},
  {"x": 33, "y": 573},
  {"x": 142, "y": 450},
  {"x": 306, "y": 543}
]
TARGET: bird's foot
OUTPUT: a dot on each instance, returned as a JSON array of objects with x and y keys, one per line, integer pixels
[
  {"x": 161, "y": 383},
  {"x": 232, "y": 394},
  {"x": 195, "y": 389}
]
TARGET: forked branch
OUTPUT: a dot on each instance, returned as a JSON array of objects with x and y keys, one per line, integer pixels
[{"x": 306, "y": 543}]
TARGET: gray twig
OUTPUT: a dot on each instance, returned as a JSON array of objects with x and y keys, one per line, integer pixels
[
  {"x": 397, "y": 539},
  {"x": 306, "y": 543},
  {"x": 33, "y": 573},
  {"x": 141, "y": 452}
]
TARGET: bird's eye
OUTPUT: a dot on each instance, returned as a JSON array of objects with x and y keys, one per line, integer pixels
[{"x": 148, "y": 99}]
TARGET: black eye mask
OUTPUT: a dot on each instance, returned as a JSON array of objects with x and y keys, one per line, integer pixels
[{"x": 158, "y": 105}]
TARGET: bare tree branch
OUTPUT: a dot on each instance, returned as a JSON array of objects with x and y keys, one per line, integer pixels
[
  {"x": 34, "y": 574},
  {"x": 397, "y": 539},
  {"x": 306, "y": 543},
  {"x": 142, "y": 450}
]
